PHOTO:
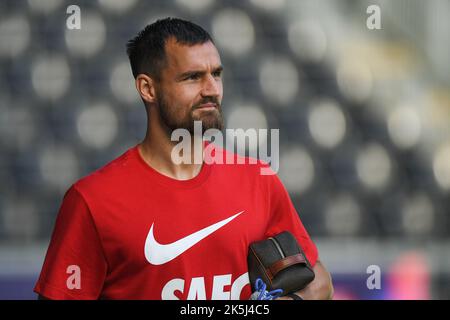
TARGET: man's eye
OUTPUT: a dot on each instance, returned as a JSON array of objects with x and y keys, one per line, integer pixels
[
  {"x": 217, "y": 74},
  {"x": 193, "y": 77}
]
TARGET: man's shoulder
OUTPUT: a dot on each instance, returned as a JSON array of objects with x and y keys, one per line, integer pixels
[
  {"x": 241, "y": 164},
  {"x": 110, "y": 174}
]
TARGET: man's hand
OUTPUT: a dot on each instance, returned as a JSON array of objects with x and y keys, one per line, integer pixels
[{"x": 321, "y": 288}]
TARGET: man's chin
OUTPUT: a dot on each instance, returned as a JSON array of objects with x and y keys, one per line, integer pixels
[
  {"x": 210, "y": 121},
  {"x": 206, "y": 125}
]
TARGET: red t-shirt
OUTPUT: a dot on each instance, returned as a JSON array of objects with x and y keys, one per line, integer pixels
[{"x": 129, "y": 232}]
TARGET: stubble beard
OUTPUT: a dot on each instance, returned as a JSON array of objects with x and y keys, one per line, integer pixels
[{"x": 211, "y": 119}]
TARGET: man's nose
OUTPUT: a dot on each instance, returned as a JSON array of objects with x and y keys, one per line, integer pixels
[{"x": 211, "y": 87}]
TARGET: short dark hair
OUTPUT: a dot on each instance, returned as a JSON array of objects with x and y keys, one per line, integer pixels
[{"x": 146, "y": 51}]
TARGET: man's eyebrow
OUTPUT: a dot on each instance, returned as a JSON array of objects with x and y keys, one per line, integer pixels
[
  {"x": 198, "y": 72},
  {"x": 218, "y": 69}
]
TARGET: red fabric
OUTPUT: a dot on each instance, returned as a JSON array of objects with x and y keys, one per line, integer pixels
[{"x": 105, "y": 218}]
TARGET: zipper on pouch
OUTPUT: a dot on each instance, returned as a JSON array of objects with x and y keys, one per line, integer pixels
[{"x": 278, "y": 247}]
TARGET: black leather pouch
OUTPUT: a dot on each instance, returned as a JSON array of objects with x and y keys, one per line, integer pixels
[{"x": 280, "y": 262}]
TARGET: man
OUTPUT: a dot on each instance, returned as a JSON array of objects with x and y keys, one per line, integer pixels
[{"x": 143, "y": 227}]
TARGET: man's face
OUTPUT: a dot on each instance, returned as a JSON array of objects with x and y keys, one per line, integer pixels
[{"x": 190, "y": 87}]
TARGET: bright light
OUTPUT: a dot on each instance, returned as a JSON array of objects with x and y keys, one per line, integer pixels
[
  {"x": 308, "y": 40},
  {"x": 197, "y": 6},
  {"x": 355, "y": 80},
  {"x": 233, "y": 31},
  {"x": 97, "y": 126},
  {"x": 441, "y": 166},
  {"x": 122, "y": 83},
  {"x": 20, "y": 219},
  {"x": 269, "y": 5},
  {"x": 58, "y": 166},
  {"x": 44, "y": 6},
  {"x": 247, "y": 116},
  {"x": 50, "y": 76},
  {"x": 117, "y": 6},
  {"x": 327, "y": 123},
  {"x": 343, "y": 216},
  {"x": 14, "y": 35},
  {"x": 88, "y": 40},
  {"x": 418, "y": 215},
  {"x": 373, "y": 166},
  {"x": 296, "y": 169},
  {"x": 279, "y": 81},
  {"x": 17, "y": 127},
  {"x": 404, "y": 127}
]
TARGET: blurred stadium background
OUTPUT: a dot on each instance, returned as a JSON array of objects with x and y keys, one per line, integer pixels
[{"x": 364, "y": 119}]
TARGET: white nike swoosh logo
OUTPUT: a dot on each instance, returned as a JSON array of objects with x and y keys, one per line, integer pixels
[{"x": 158, "y": 254}]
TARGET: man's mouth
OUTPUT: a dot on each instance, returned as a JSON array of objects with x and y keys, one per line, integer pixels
[{"x": 208, "y": 105}]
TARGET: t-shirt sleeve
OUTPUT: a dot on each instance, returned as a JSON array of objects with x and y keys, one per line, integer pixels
[
  {"x": 284, "y": 217},
  {"x": 75, "y": 266}
]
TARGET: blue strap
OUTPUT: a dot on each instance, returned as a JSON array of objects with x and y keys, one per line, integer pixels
[{"x": 260, "y": 287}]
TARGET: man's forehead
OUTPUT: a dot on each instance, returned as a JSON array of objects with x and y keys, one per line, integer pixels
[{"x": 190, "y": 56}]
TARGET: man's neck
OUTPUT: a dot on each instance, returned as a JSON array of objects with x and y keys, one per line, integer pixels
[{"x": 156, "y": 150}]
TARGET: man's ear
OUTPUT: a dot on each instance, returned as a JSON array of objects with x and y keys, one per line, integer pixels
[{"x": 145, "y": 86}]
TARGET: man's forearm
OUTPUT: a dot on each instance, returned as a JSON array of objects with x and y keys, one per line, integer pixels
[
  {"x": 317, "y": 291},
  {"x": 321, "y": 288}
]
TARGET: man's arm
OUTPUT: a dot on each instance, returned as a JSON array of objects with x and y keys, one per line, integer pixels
[{"x": 321, "y": 288}]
